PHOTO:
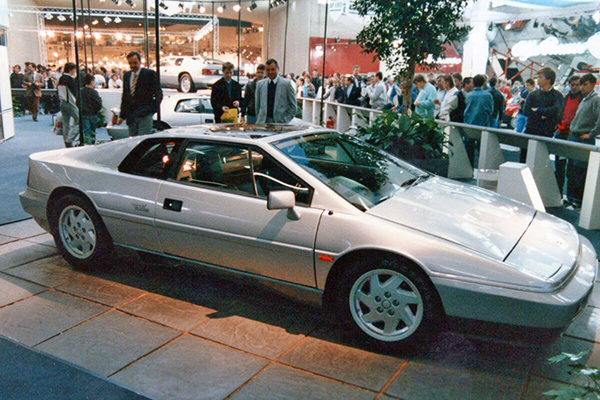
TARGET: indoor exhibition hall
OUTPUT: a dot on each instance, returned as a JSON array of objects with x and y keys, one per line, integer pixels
[{"x": 299, "y": 199}]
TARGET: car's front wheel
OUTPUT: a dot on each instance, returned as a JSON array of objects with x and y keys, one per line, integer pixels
[
  {"x": 389, "y": 301},
  {"x": 186, "y": 83},
  {"x": 79, "y": 233}
]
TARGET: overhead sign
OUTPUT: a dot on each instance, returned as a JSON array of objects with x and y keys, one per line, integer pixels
[{"x": 551, "y": 46}]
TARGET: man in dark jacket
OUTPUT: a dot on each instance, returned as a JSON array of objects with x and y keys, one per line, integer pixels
[
  {"x": 498, "y": 103},
  {"x": 316, "y": 80},
  {"x": 249, "y": 108},
  {"x": 351, "y": 92},
  {"x": 141, "y": 96},
  {"x": 68, "y": 90},
  {"x": 543, "y": 106},
  {"x": 226, "y": 93},
  {"x": 16, "y": 78},
  {"x": 91, "y": 104}
]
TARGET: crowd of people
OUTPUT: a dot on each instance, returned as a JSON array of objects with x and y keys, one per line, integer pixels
[{"x": 270, "y": 97}]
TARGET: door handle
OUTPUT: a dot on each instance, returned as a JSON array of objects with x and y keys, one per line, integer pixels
[{"x": 173, "y": 205}]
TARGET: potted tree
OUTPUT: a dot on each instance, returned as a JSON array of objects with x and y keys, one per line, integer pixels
[
  {"x": 407, "y": 33},
  {"x": 417, "y": 140}
]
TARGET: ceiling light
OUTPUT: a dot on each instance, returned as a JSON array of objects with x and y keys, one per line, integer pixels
[
  {"x": 117, "y": 20},
  {"x": 201, "y": 8},
  {"x": 236, "y": 7},
  {"x": 118, "y": 2},
  {"x": 221, "y": 8},
  {"x": 61, "y": 17},
  {"x": 163, "y": 5},
  {"x": 181, "y": 7},
  {"x": 130, "y": 3},
  {"x": 252, "y": 6},
  {"x": 95, "y": 22},
  {"x": 107, "y": 19},
  {"x": 49, "y": 16}
]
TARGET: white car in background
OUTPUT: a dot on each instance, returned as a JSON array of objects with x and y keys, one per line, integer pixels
[
  {"x": 190, "y": 73},
  {"x": 176, "y": 110}
]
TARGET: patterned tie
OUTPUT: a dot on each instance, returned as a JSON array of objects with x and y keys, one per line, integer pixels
[{"x": 134, "y": 83}]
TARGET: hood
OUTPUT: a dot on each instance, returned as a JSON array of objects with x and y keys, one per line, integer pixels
[{"x": 464, "y": 214}]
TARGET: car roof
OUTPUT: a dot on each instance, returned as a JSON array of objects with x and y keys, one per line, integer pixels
[{"x": 264, "y": 133}]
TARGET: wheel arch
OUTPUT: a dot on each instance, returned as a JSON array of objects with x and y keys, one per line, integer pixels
[
  {"x": 57, "y": 194},
  {"x": 341, "y": 265}
]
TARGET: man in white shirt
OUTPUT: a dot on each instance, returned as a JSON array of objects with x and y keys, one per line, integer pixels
[
  {"x": 450, "y": 99},
  {"x": 440, "y": 95}
]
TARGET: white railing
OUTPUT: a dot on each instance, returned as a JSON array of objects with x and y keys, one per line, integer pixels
[{"x": 491, "y": 158}]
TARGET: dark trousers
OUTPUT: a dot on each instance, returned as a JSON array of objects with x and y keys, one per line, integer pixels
[
  {"x": 471, "y": 146},
  {"x": 34, "y": 106},
  {"x": 560, "y": 168},
  {"x": 576, "y": 174}
]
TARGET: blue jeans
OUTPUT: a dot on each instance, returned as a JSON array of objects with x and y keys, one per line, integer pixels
[
  {"x": 521, "y": 123},
  {"x": 90, "y": 124}
]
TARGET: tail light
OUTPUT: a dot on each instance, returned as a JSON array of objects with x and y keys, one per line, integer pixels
[{"x": 209, "y": 72}]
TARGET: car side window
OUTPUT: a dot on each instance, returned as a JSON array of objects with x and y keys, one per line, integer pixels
[
  {"x": 217, "y": 166},
  {"x": 190, "y": 106},
  {"x": 151, "y": 158},
  {"x": 269, "y": 176}
]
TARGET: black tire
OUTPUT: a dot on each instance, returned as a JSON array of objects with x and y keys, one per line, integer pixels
[
  {"x": 183, "y": 76},
  {"x": 432, "y": 314},
  {"x": 101, "y": 252}
]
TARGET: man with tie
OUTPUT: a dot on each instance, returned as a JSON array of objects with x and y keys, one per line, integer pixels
[
  {"x": 226, "y": 93},
  {"x": 33, "y": 81},
  {"x": 141, "y": 96},
  {"x": 351, "y": 92},
  {"x": 275, "y": 97}
]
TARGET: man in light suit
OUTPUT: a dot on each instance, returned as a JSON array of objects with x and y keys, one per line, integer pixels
[
  {"x": 33, "y": 81},
  {"x": 275, "y": 97}
]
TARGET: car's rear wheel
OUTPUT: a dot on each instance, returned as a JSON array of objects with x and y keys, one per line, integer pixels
[
  {"x": 389, "y": 301},
  {"x": 80, "y": 235},
  {"x": 186, "y": 83}
]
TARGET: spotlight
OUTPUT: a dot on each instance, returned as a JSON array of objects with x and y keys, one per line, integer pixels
[
  {"x": 117, "y": 2},
  {"x": 163, "y": 5},
  {"x": 181, "y": 7},
  {"x": 130, "y": 3},
  {"x": 95, "y": 22},
  {"x": 221, "y": 8},
  {"x": 252, "y": 6},
  {"x": 117, "y": 20},
  {"x": 107, "y": 19},
  {"x": 49, "y": 16},
  {"x": 201, "y": 8},
  {"x": 236, "y": 7},
  {"x": 61, "y": 18}
]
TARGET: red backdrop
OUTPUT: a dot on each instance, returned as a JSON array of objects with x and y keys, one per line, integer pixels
[
  {"x": 444, "y": 68},
  {"x": 342, "y": 59}
]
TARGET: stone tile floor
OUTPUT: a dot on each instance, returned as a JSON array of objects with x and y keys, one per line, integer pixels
[{"x": 179, "y": 333}]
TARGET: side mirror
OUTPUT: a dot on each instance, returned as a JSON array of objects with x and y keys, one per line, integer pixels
[{"x": 283, "y": 200}]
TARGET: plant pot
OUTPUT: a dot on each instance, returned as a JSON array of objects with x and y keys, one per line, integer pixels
[{"x": 438, "y": 166}]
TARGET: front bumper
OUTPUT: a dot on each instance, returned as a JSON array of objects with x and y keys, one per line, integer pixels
[
  {"x": 34, "y": 203},
  {"x": 518, "y": 307}
]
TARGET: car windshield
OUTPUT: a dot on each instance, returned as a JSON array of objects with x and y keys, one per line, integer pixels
[{"x": 357, "y": 171}]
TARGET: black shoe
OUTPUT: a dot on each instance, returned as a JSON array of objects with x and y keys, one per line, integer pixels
[{"x": 35, "y": 120}]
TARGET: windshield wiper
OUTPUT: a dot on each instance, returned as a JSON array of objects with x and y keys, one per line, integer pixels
[{"x": 415, "y": 181}]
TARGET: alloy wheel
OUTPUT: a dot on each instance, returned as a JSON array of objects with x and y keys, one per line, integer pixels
[
  {"x": 386, "y": 305},
  {"x": 77, "y": 232}
]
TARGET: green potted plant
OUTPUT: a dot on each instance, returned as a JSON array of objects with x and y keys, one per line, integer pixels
[{"x": 413, "y": 138}]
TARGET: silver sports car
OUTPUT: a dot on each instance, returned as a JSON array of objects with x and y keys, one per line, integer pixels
[{"x": 318, "y": 215}]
